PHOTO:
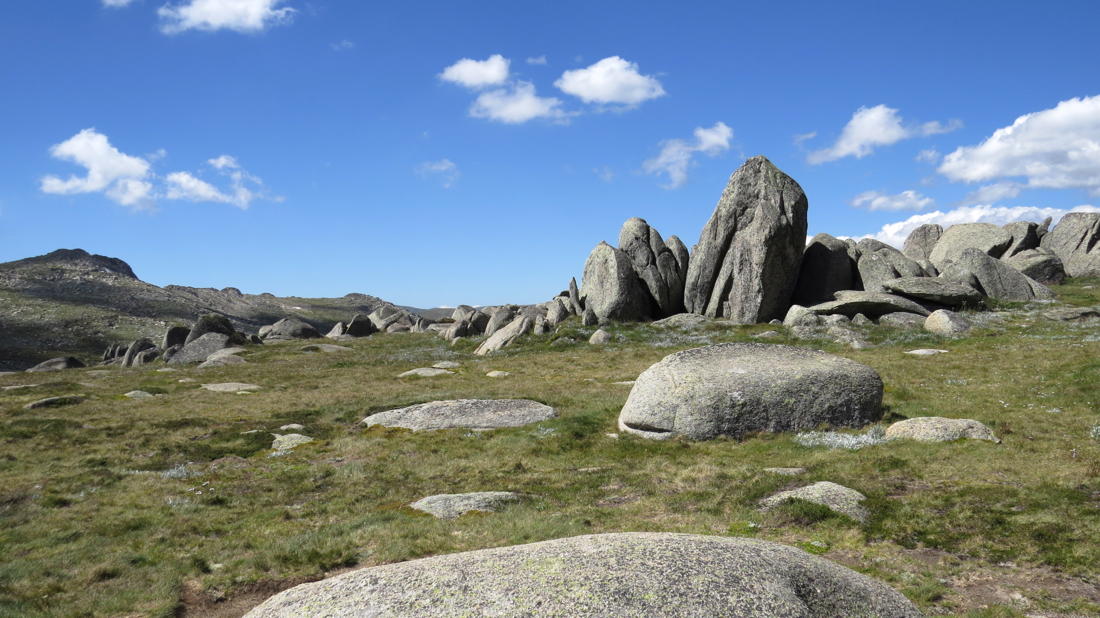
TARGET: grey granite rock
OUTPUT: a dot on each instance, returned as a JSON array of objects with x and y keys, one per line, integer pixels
[
  {"x": 902, "y": 319},
  {"x": 1024, "y": 237},
  {"x": 174, "y": 335},
  {"x": 999, "y": 280},
  {"x": 870, "y": 304},
  {"x": 623, "y": 575},
  {"x": 425, "y": 372},
  {"x": 939, "y": 429},
  {"x": 338, "y": 330},
  {"x": 576, "y": 307},
  {"x": 750, "y": 250},
  {"x": 1076, "y": 241},
  {"x": 499, "y": 319},
  {"x": 213, "y": 323},
  {"x": 327, "y": 348},
  {"x": 57, "y": 364},
  {"x": 946, "y": 323},
  {"x": 520, "y": 326},
  {"x": 683, "y": 320},
  {"x": 1042, "y": 265},
  {"x": 826, "y": 268},
  {"x": 918, "y": 246},
  {"x": 737, "y": 388},
  {"x": 285, "y": 442},
  {"x": 199, "y": 349},
  {"x": 292, "y": 328},
  {"x": 611, "y": 288},
  {"x": 837, "y": 497},
  {"x": 468, "y": 413},
  {"x": 361, "y": 326},
  {"x": 453, "y": 506},
  {"x": 600, "y": 337},
  {"x": 936, "y": 290},
  {"x": 1072, "y": 314},
  {"x": 992, "y": 240},
  {"x": 556, "y": 313},
  {"x": 54, "y": 402},
  {"x": 231, "y": 387}
]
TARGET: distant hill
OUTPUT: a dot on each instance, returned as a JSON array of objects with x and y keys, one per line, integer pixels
[{"x": 75, "y": 302}]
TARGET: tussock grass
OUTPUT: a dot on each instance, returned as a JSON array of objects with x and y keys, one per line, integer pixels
[{"x": 113, "y": 507}]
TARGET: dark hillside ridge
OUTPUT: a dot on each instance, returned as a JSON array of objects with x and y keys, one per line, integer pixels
[{"x": 74, "y": 302}]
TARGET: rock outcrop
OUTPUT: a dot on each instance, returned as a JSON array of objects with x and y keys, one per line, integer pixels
[
  {"x": 746, "y": 264},
  {"x": 1076, "y": 241},
  {"x": 611, "y": 288},
  {"x": 826, "y": 269},
  {"x": 466, "y": 413}
]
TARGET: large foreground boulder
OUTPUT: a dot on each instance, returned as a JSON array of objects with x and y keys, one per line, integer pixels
[
  {"x": 624, "y": 575},
  {"x": 468, "y": 413},
  {"x": 733, "y": 389},
  {"x": 746, "y": 264}
]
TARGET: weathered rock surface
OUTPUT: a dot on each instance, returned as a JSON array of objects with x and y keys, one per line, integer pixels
[
  {"x": 936, "y": 290},
  {"x": 837, "y": 497},
  {"x": 870, "y": 304},
  {"x": 499, "y": 319},
  {"x": 231, "y": 387},
  {"x": 682, "y": 320},
  {"x": 136, "y": 348},
  {"x": 918, "y": 246},
  {"x": 600, "y": 337},
  {"x": 1072, "y": 314},
  {"x": 737, "y": 388},
  {"x": 453, "y": 506},
  {"x": 1042, "y": 265},
  {"x": 825, "y": 270},
  {"x": 328, "y": 348},
  {"x": 1024, "y": 237},
  {"x": 425, "y": 372},
  {"x": 285, "y": 442},
  {"x": 575, "y": 305},
  {"x": 505, "y": 336},
  {"x": 939, "y": 429},
  {"x": 746, "y": 264},
  {"x": 999, "y": 280},
  {"x": 54, "y": 402},
  {"x": 360, "y": 326},
  {"x": 610, "y": 287},
  {"x": 174, "y": 335},
  {"x": 946, "y": 323},
  {"x": 291, "y": 328},
  {"x": 213, "y": 323},
  {"x": 468, "y": 413},
  {"x": 1076, "y": 241},
  {"x": 992, "y": 240},
  {"x": 556, "y": 313},
  {"x": 57, "y": 364},
  {"x": 199, "y": 349},
  {"x": 624, "y": 575},
  {"x": 901, "y": 319}
]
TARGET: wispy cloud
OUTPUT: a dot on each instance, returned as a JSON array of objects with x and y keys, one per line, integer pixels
[
  {"x": 539, "y": 60},
  {"x": 871, "y": 127},
  {"x": 677, "y": 155},
  {"x": 906, "y": 200},
  {"x": 342, "y": 45},
  {"x": 212, "y": 15},
  {"x": 445, "y": 169}
]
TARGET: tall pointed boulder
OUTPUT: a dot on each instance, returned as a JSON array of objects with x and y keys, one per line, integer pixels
[{"x": 746, "y": 264}]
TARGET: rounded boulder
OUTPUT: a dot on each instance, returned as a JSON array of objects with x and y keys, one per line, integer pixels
[{"x": 733, "y": 389}]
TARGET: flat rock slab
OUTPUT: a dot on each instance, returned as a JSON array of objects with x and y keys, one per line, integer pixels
[
  {"x": 425, "y": 372},
  {"x": 289, "y": 441},
  {"x": 683, "y": 320},
  {"x": 467, "y": 413},
  {"x": 939, "y": 429},
  {"x": 926, "y": 352},
  {"x": 624, "y": 575},
  {"x": 935, "y": 289},
  {"x": 1072, "y": 314},
  {"x": 222, "y": 361},
  {"x": 54, "y": 402},
  {"x": 325, "y": 347},
  {"x": 453, "y": 506},
  {"x": 786, "y": 471},
  {"x": 446, "y": 365},
  {"x": 231, "y": 387},
  {"x": 872, "y": 304},
  {"x": 737, "y": 388},
  {"x": 498, "y": 374},
  {"x": 138, "y": 395},
  {"x": 837, "y": 497}
]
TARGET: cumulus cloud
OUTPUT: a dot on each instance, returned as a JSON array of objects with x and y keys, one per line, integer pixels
[
  {"x": 119, "y": 176},
  {"x": 677, "y": 155},
  {"x": 477, "y": 74},
  {"x": 212, "y": 15},
  {"x": 871, "y": 127},
  {"x": 906, "y": 200},
  {"x": 117, "y": 3},
  {"x": 928, "y": 156},
  {"x": 539, "y": 60},
  {"x": 1056, "y": 148},
  {"x": 610, "y": 81},
  {"x": 987, "y": 194},
  {"x": 516, "y": 105},
  {"x": 444, "y": 169},
  {"x": 129, "y": 180},
  {"x": 895, "y": 233}
]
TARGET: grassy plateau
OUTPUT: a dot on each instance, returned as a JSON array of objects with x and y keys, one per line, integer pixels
[{"x": 177, "y": 506}]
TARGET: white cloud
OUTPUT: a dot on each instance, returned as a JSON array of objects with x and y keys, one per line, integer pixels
[
  {"x": 875, "y": 126},
  {"x": 223, "y": 162},
  {"x": 445, "y": 168},
  {"x": 539, "y": 60},
  {"x": 605, "y": 173},
  {"x": 212, "y": 15},
  {"x": 477, "y": 74},
  {"x": 906, "y": 200},
  {"x": 928, "y": 156},
  {"x": 117, "y": 3},
  {"x": 801, "y": 137},
  {"x": 342, "y": 45},
  {"x": 610, "y": 81},
  {"x": 119, "y": 176},
  {"x": 677, "y": 155},
  {"x": 184, "y": 186},
  {"x": 895, "y": 233},
  {"x": 988, "y": 194},
  {"x": 517, "y": 105},
  {"x": 1053, "y": 149}
]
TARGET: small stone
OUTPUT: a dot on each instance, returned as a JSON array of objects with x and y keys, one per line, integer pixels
[
  {"x": 939, "y": 429},
  {"x": 786, "y": 471},
  {"x": 837, "y": 497},
  {"x": 600, "y": 337},
  {"x": 498, "y": 374},
  {"x": 186, "y": 380},
  {"x": 946, "y": 323},
  {"x": 230, "y": 387},
  {"x": 54, "y": 402},
  {"x": 165, "y": 370},
  {"x": 902, "y": 319},
  {"x": 289, "y": 441},
  {"x": 861, "y": 320},
  {"x": 446, "y": 365},
  {"x": 768, "y": 334},
  {"x": 292, "y": 427},
  {"x": 625, "y": 383},
  {"x": 926, "y": 352},
  {"x": 453, "y": 506},
  {"x": 138, "y": 395},
  {"x": 425, "y": 372},
  {"x": 222, "y": 361}
]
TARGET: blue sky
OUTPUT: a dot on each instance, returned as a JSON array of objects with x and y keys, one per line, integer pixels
[{"x": 444, "y": 153}]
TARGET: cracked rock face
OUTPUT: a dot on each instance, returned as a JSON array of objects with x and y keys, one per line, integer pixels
[
  {"x": 736, "y": 388},
  {"x": 625, "y": 575}
]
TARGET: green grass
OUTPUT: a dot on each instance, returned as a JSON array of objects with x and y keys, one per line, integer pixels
[{"x": 101, "y": 512}]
